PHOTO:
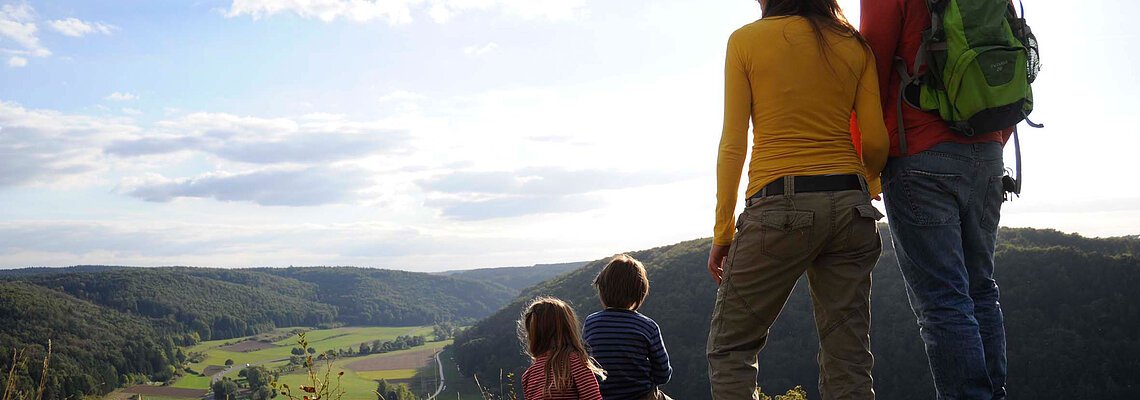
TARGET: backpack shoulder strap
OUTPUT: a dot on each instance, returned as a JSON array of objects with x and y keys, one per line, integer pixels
[{"x": 905, "y": 79}]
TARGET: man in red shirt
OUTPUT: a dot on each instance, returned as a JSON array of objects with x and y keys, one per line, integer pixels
[{"x": 943, "y": 200}]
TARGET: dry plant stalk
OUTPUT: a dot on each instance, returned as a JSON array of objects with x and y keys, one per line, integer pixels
[
  {"x": 19, "y": 357},
  {"x": 43, "y": 373},
  {"x": 317, "y": 388},
  {"x": 10, "y": 387},
  {"x": 487, "y": 395}
]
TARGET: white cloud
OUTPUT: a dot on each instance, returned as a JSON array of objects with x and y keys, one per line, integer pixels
[
  {"x": 443, "y": 10},
  {"x": 478, "y": 195},
  {"x": 49, "y": 147},
  {"x": 309, "y": 139},
  {"x": 399, "y": 12},
  {"x": 18, "y": 27},
  {"x": 401, "y": 95},
  {"x": 131, "y": 111},
  {"x": 396, "y": 12},
  {"x": 75, "y": 27},
  {"x": 121, "y": 96},
  {"x": 269, "y": 187},
  {"x": 17, "y": 24},
  {"x": 477, "y": 51}
]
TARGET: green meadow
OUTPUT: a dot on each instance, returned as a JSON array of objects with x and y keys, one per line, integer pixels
[
  {"x": 357, "y": 383},
  {"x": 278, "y": 355}
]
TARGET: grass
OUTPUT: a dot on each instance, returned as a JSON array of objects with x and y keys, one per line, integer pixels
[
  {"x": 358, "y": 385},
  {"x": 192, "y": 382},
  {"x": 388, "y": 374},
  {"x": 319, "y": 340}
]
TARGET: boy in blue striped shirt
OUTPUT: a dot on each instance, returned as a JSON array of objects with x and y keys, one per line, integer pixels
[{"x": 624, "y": 342}]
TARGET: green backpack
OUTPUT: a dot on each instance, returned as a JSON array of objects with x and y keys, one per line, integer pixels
[{"x": 980, "y": 60}]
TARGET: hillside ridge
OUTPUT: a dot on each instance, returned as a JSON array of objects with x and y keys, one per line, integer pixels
[{"x": 1070, "y": 305}]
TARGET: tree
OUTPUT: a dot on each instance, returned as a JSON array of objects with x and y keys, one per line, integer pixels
[
  {"x": 389, "y": 391},
  {"x": 229, "y": 362},
  {"x": 312, "y": 351},
  {"x": 297, "y": 351},
  {"x": 364, "y": 348},
  {"x": 225, "y": 389},
  {"x": 258, "y": 378},
  {"x": 262, "y": 393},
  {"x": 443, "y": 331}
]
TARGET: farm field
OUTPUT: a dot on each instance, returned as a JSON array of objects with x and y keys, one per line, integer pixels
[
  {"x": 156, "y": 393},
  {"x": 258, "y": 350},
  {"x": 218, "y": 351},
  {"x": 192, "y": 382},
  {"x": 361, "y": 373}
]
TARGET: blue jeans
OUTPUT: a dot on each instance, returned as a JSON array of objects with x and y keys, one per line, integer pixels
[{"x": 943, "y": 206}]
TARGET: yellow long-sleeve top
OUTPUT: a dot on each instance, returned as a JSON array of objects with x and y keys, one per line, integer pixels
[{"x": 800, "y": 97}]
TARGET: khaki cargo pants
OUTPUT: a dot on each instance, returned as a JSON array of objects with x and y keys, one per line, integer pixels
[
  {"x": 833, "y": 237},
  {"x": 656, "y": 394}
]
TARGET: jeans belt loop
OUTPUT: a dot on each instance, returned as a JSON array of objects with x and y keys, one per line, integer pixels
[
  {"x": 789, "y": 186},
  {"x": 863, "y": 183}
]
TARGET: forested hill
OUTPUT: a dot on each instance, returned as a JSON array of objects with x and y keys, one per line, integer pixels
[
  {"x": 111, "y": 324},
  {"x": 93, "y": 348},
  {"x": 516, "y": 278},
  {"x": 367, "y": 296},
  {"x": 1071, "y": 305}
]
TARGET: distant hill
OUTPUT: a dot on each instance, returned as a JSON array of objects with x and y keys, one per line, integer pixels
[
  {"x": 368, "y": 296},
  {"x": 1071, "y": 304},
  {"x": 98, "y": 315},
  {"x": 56, "y": 270},
  {"x": 201, "y": 301},
  {"x": 516, "y": 278}
]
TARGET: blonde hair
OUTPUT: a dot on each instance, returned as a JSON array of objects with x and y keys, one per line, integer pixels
[{"x": 549, "y": 326}]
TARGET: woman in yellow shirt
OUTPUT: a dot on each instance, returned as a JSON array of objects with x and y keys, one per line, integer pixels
[{"x": 798, "y": 74}]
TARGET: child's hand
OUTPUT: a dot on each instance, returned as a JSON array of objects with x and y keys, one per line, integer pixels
[{"x": 717, "y": 256}]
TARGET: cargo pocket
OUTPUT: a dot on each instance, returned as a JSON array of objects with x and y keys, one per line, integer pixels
[
  {"x": 868, "y": 211},
  {"x": 784, "y": 234},
  {"x": 864, "y": 226}
]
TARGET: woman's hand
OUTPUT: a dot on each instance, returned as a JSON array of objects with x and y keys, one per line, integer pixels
[{"x": 717, "y": 256}]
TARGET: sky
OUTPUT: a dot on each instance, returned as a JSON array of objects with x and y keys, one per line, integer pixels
[{"x": 443, "y": 134}]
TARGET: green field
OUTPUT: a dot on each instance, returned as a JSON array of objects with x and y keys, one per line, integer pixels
[
  {"x": 192, "y": 382},
  {"x": 387, "y": 374},
  {"x": 319, "y": 340},
  {"x": 359, "y": 384}
]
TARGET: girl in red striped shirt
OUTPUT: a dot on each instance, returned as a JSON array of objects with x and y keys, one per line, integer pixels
[{"x": 561, "y": 369}]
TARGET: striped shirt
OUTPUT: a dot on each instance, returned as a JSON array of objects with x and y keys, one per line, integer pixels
[
  {"x": 536, "y": 387},
  {"x": 629, "y": 347}
]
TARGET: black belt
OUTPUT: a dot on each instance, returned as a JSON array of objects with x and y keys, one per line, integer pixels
[{"x": 815, "y": 183}]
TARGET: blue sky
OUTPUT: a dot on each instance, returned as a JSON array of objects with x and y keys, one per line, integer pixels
[{"x": 439, "y": 134}]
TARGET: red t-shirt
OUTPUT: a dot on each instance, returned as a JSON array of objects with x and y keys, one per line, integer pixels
[{"x": 894, "y": 29}]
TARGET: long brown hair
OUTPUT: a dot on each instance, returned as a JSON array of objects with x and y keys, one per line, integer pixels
[
  {"x": 549, "y": 326},
  {"x": 821, "y": 14}
]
